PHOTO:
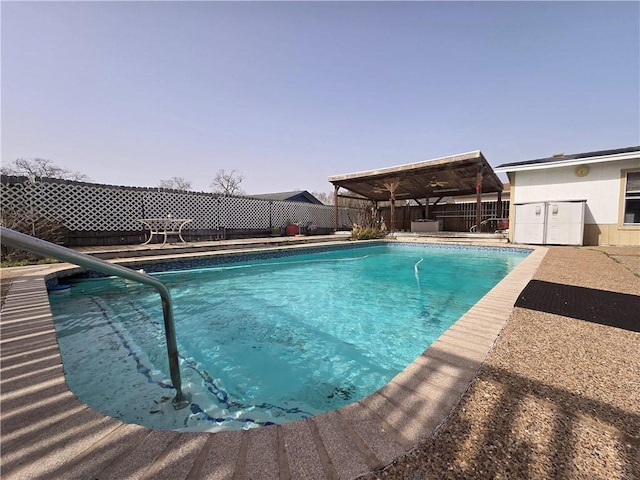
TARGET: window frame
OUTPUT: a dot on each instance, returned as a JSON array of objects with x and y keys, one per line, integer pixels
[{"x": 625, "y": 196}]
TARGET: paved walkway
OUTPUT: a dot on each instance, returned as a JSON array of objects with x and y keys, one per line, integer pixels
[{"x": 48, "y": 433}]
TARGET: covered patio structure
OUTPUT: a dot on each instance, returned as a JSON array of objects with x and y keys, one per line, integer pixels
[{"x": 456, "y": 175}]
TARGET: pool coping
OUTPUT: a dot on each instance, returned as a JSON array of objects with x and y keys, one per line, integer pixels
[{"x": 46, "y": 432}]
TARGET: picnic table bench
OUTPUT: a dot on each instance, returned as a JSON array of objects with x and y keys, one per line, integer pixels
[{"x": 165, "y": 227}]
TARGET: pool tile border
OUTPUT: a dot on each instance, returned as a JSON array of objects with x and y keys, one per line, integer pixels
[
  {"x": 225, "y": 257},
  {"x": 72, "y": 440}
]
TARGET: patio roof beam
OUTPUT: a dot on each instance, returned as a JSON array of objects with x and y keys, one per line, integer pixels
[{"x": 455, "y": 175}]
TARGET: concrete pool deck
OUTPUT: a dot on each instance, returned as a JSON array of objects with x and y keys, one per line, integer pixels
[{"x": 46, "y": 432}]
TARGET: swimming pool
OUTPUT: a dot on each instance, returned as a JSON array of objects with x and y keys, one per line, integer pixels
[{"x": 271, "y": 339}]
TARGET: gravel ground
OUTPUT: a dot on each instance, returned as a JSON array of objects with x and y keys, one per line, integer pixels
[{"x": 557, "y": 398}]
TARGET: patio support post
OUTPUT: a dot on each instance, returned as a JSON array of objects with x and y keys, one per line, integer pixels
[
  {"x": 378, "y": 215},
  {"x": 426, "y": 206},
  {"x": 499, "y": 206},
  {"x": 393, "y": 212},
  {"x": 391, "y": 188},
  {"x": 479, "y": 200},
  {"x": 335, "y": 203}
]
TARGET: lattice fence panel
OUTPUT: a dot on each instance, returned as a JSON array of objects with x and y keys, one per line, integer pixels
[
  {"x": 320, "y": 215},
  {"x": 244, "y": 213},
  {"x": 76, "y": 205},
  {"x": 201, "y": 207},
  {"x": 204, "y": 209},
  {"x": 92, "y": 207},
  {"x": 95, "y": 208},
  {"x": 282, "y": 212},
  {"x": 293, "y": 212},
  {"x": 12, "y": 197}
]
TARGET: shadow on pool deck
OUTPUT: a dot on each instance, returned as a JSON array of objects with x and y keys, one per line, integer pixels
[{"x": 48, "y": 433}]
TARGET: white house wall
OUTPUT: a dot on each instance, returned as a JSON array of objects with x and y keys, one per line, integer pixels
[{"x": 600, "y": 188}]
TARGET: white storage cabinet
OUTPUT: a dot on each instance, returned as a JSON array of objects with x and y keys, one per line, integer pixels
[{"x": 553, "y": 223}]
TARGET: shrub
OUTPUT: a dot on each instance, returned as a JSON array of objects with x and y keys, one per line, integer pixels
[
  {"x": 365, "y": 233},
  {"x": 30, "y": 224}
]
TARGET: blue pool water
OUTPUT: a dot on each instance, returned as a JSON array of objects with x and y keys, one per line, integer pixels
[{"x": 267, "y": 340}]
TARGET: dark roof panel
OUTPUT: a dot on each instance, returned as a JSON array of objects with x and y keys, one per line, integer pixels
[
  {"x": 295, "y": 196},
  {"x": 575, "y": 156}
]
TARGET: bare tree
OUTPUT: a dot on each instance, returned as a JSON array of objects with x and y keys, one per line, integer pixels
[
  {"x": 176, "y": 183},
  {"x": 324, "y": 197},
  {"x": 227, "y": 183},
  {"x": 41, "y": 167}
]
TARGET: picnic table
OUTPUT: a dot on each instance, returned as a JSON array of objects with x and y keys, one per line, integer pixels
[{"x": 165, "y": 227}]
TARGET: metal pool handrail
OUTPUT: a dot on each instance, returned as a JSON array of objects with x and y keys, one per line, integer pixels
[{"x": 42, "y": 247}]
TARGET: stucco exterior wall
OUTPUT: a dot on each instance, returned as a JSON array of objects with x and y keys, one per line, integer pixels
[{"x": 602, "y": 188}]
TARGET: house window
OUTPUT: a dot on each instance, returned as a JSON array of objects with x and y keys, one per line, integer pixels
[{"x": 632, "y": 199}]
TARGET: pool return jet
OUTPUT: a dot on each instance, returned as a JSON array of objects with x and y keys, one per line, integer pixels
[{"x": 25, "y": 242}]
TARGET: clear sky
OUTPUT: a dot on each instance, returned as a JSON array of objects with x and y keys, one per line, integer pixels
[{"x": 289, "y": 93}]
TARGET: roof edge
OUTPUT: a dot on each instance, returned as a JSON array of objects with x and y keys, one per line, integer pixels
[
  {"x": 573, "y": 159},
  {"x": 407, "y": 166}
]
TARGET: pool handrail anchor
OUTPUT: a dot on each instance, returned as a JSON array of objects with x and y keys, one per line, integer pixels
[{"x": 26, "y": 242}]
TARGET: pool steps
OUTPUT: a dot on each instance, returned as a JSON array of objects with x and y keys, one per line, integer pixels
[{"x": 46, "y": 432}]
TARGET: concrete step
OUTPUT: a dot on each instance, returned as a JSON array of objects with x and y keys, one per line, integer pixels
[
  {"x": 172, "y": 249},
  {"x": 460, "y": 238}
]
